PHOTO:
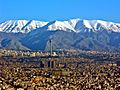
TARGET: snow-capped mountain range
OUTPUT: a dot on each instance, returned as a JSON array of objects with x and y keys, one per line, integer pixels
[
  {"x": 72, "y": 34},
  {"x": 73, "y": 25},
  {"x": 23, "y": 26}
]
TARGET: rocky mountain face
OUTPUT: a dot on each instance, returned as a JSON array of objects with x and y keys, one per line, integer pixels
[
  {"x": 72, "y": 34},
  {"x": 23, "y": 26}
]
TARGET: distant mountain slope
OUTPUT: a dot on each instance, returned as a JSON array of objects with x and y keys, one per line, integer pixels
[
  {"x": 72, "y": 34},
  {"x": 74, "y": 25},
  {"x": 23, "y": 26},
  {"x": 100, "y": 41},
  {"x": 12, "y": 41}
]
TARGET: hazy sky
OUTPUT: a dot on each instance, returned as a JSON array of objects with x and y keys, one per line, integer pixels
[{"x": 49, "y": 10}]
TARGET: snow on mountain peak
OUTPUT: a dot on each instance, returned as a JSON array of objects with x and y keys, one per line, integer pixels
[
  {"x": 97, "y": 25},
  {"x": 23, "y": 26},
  {"x": 73, "y": 22},
  {"x": 61, "y": 25},
  {"x": 75, "y": 25}
]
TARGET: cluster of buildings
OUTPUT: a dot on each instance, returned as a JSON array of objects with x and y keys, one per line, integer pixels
[
  {"x": 14, "y": 53},
  {"x": 24, "y": 71},
  {"x": 95, "y": 76}
]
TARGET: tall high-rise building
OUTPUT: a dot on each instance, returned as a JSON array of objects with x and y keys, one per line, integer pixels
[
  {"x": 41, "y": 64},
  {"x": 51, "y": 64}
]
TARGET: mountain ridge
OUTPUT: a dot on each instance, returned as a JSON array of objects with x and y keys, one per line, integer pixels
[
  {"x": 70, "y": 34},
  {"x": 75, "y": 25}
]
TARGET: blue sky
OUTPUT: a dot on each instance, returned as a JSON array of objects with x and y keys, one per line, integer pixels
[{"x": 48, "y": 10}]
